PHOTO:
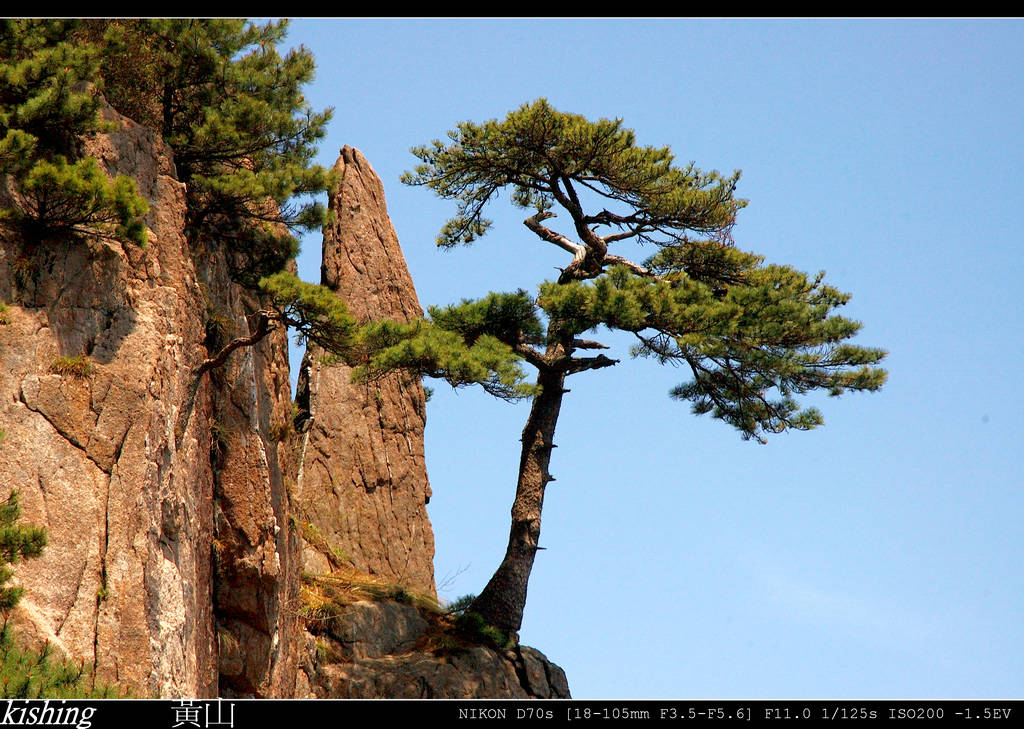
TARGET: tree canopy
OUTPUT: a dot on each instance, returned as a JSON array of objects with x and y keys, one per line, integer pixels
[
  {"x": 220, "y": 94},
  {"x": 230, "y": 106},
  {"x": 48, "y": 104},
  {"x": 754, "y": 336}
]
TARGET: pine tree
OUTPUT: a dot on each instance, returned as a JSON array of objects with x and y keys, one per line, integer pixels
[
  {"x": 17, "y": 542},
  {"x": 232, "y": 109},
  {"x": 219, "y": 92},
  {"x": 48, "y": 104},
  {"x": 754, "y": 336}
]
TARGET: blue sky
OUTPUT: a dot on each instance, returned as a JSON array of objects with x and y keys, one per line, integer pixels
[{"x": 876, "y": 557}]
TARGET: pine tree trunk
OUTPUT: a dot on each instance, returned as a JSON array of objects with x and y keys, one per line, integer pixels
[{"x": 502, "y": 602}]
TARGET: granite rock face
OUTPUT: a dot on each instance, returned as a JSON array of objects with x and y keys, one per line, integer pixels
[
  {"x": 125, "y": 581},
  {"x": 163, "y": 496},
  {"x": 255, "y": 553},
  {"x": 362, "y": 488}
]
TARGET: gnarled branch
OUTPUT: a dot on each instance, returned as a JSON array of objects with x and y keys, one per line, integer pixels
[
  {"x": 581, "y": 364},
  {"x": 532, "y": 356},
  {"x": 264, "y": 320},
  {"x": 588, "y": 344},
  {"x": 533, "y": 223},
  {"x": 613, "y": 260}
]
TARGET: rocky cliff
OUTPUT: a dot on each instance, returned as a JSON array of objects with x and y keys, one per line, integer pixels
[
  {"x": 373, "y": 649},
  {"x": 362, "y": 487},
  {"x": 183, "y": 506},
  {"x": 163, "y": 497}
]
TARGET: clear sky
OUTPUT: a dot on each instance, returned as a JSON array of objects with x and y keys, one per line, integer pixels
[{"x": 876, "y": 557}]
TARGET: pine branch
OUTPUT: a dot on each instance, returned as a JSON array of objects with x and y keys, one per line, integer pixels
[
  {"x": 613, "y": 260},
  {"x": 532, "y": 356},
  {"x": 588, "y": 344},
  {"x": 581, "y": 364},
  {"x": 533, "y": 223},
  {"x": 263, "y": 328}
]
